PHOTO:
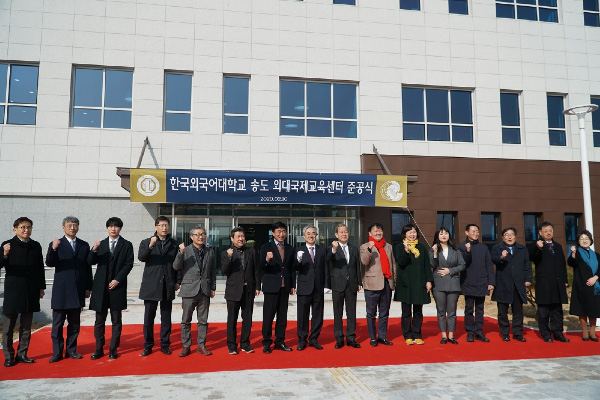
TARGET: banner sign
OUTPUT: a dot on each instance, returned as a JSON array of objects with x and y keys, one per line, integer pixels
[{"x": 244, "y": 187}]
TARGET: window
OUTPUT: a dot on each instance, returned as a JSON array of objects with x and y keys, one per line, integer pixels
[
  {"x": 556, "y": 120},
  {"x": 18, "y": 94},
  {"x": 591, "y": 13},
  {"x": 458, "y": 7},
  {"x": 102, "y": 98},
  {"x": 533, "y": 10},
  {"x": 447, "y": 219},
  {"x": 235, "y": 104},
  {"x": 596, "y": 121},
  {"x": 511, "y": 121},
  {"x": 178, "y": 102},
  {"x": 571, "y": 229},
  {"x": 444, "y": 115},
  {"x": 317, "y": 109},
  {"x": 531, "y": 221},
  {"x": 410, "y": 5},
  {"x": 349, "y": 2},
  {"x": 489, "y": 228}
]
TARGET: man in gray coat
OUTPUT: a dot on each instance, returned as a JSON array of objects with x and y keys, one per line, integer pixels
[{"x": 198, "y": 267}]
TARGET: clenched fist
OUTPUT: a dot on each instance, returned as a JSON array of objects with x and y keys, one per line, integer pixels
[
  {"x": 269, "y": 256},
  {"x": 230, "y": 252},
  {"x": 182, "y": 247},
  {"x": 55, "y": 244},
  {"x": 153, "y": 240},
  {"x": 96, "y": 245},
  {"x": 6, "y": 249}
]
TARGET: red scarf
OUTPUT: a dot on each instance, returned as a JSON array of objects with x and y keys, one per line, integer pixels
[{"x": 385, "y": 261}]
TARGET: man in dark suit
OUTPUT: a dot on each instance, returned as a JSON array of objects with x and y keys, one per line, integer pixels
[
  {"x": 243, "y": 284},
  {"x": 114, "y": 256},
  {"x": 313, "y": 280},
  {"x": 72, "y": 285},
  {"x": 158, "y": 284},
  {"x": 24, "y": 284},
  {"x": 198, "y": 265},
  {"x": 278, "y": 282},
  {"x": 550, "y": 283},
  {"x": 345, "y": 283}
]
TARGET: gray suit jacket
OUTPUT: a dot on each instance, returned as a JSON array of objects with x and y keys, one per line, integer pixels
[
  {"x": 455, "y": 263},
  {"x": 192, "y": 281}
]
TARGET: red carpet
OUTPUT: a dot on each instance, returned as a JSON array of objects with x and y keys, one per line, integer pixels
[{"x": 131, "y": 363}]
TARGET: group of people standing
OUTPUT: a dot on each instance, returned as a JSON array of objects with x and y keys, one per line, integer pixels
[{"x": 308, "y": 271}]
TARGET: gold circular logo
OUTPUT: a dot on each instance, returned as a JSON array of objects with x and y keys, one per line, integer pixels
[
  {"x": 390, "y": 191},
  {"x": 148, "y": 185}
]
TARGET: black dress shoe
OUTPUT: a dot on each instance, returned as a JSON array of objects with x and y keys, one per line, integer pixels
[
  {"x": 444, "y": 340},
  {"x": 74, "y": 355},
  {"x": 519, "y": 338},
  {"x": 282, "y": 347},
  {"x": 561, "y": 338},
  {"x": 247, "y": 349},
  {"x": 146, "y": 352},
  {"x": 339, "y": 345},
  {"x": 505, "y": 338},
  {"x": 470, "y": 337},
  {"x": 453, "y": 341},
  {"x": 316, "y": 345},
  {"x": 593, "y": 338},
  {"x": 373, "y": 342},
  {"x": 23, "y": 359},
  {"x": 481, "y": 337},
  {"x": 97, "y": 354},
  {"x": 267, "y": 349},
  {"x": 9, "y": 363},
  {"x": 384, "y": 342},
  {"x": 354, "y": 344},
  {"x": 301, "y": 346},
  {"x": 166, "y": 350},
  {"x": 55, "y": 358},
  {"x": 112, "y": 354}
]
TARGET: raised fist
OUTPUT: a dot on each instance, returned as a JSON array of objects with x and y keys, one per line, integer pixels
[
  {"x": 55, "y": 244},
  {"x": 468, "y": 247},
  {"x": 269, "y": 256},
  {"x": 6, "y": 249},
  {"x": 96, "y": 244},
  {"x": 230, "y": 252},
  {"x": 504, "y": 254},
  {"x": 434, "y": 248},
  {"x": 540, "y": 243},
  {"x": 334, "y": 245},
  {"x": 182, "y": 247},
  {"x": 153, "y": 240}
]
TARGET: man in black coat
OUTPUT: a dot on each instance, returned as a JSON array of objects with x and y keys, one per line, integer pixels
[
  {"x": 513, "y": 276},
  {"x": 242, "y": 286},
  {"x": 550, "y": 283},
  {"x": 114, "y": 256},
  {"x": 313, "y": 279},
  {"x": 476, "y": 281},
  {"x": 345, "y": 283},
  {"x": 278, "y": 282},
  {"x": 24, "y": 285},
  {"x": 72, "y": 285},
  {"x": 158, "y": 283}
]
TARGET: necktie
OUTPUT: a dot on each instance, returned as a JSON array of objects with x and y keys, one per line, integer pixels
[
  {"x": 551, "y": 245},
  {"x": 511, "y": 250},
  {"x": 73, "y": 244},
  {"x": 281, "y": 250},
  {"x": 112, "y": 247},
  {"x": 312, "y": 254},
  {"x": 345, "y": 249}
]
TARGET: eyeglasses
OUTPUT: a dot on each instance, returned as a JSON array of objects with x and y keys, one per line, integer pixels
[
  {"x": 198, "y": 234},
  {"x": 163, "y": 225},
  {"x": 24, "y": 228}
]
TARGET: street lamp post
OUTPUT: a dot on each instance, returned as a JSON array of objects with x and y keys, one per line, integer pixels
[{"x": 580, "y": 112}]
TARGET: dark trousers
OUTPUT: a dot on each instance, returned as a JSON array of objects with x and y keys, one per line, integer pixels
[
  {"x": 246, "y": 303},
  {"x": 378, "y": 300},
  {"x": 474, "y": 323},
  {"x": 275, "y": 304},
  {"x": 349, "y": 297},
  {"x": 72, "y": 316},
  {"x": 517, "y": 311},
  {"x": 200, "y": 303},
  {"x": 100, "y": 327},
  {"x": 316, "y": 301},
  {"x": 552, "y": 313},
  {"x": 412, "y": 322},
  {"x": 445, "y": 303},
  {"x": 150, "y": 307},
  {"x": 8, "y": 329}
]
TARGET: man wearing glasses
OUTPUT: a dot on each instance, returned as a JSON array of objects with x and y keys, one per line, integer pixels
[
  {"x": 24, "y": 285},
  {"x": 158, "y": 284}
]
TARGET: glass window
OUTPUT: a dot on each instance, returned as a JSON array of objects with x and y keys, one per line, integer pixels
[
  {"x": 489, "y": 228},
  {"x": 596, "y": 121},
  {"x": 447, "y": 219},
  {"x": 531, "y": 222},
  {"x": 591, "y": 12},
  {"x": 235, "y": 104},
  {"x": 18, "y": 94},
  {"x": 571, "y": 228},
  {"x": 318, "y": 109},
  {"x": 556, "y": 120},
  {"x": 532, "y": 10},
  {"x": 178, "y": 101},
  {"x": 349, "y": 2},
  {"x": 410, "y": 5},
  {"x": 458, "y": 7},
  {"x": 511, "y": 121},
  {"x": 102, "y": 98},
  {"x": 446, "y": 115}
]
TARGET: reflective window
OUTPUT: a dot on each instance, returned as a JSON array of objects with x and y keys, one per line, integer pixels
[
  {"x": 458, "y": 7},
  {"x": 178, "y": 101},
  {"x": 410, "y": 5},
  {"x": 531, "y": 221},
  {"x": 318, "y": 109},
  {"x": 235, "y": 104},
  {"x": 571, "y": 228},
  {"x": 591, "y": 12},
  {"x": 349, "y": 2},
  {"x": 18, "y": 94},
  {"x": 556, "y": 120},
  {"x": 489, "y": 228},
  {"x": 511, "y": 121},
  {"x": 447, "y": 219},
  {"x": 437, "y": 115},
  {"x": 596, "y": 121},
  {"x": 532, "y": 10},
  {"x": 102, "y": 98}
]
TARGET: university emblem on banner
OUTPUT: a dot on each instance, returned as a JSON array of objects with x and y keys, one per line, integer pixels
[
  {"x": 391, "y": 191},
  {"x": 148, "y": 185}
]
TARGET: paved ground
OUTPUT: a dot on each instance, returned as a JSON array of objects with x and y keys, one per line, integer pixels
[{"x": 563, "y": 378}]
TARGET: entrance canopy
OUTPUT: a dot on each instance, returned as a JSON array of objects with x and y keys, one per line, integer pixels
[{"x": 244, "y": 187}]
